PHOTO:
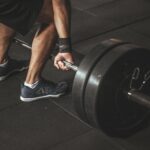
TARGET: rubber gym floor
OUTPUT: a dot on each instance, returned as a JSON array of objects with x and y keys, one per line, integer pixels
[{"x": 52, "y": 124}]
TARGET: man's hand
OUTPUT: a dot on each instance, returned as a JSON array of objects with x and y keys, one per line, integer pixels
[{"x": 60, "y": 57}]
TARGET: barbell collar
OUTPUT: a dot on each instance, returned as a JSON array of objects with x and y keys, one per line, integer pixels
[{"x": 139, "y": 98}]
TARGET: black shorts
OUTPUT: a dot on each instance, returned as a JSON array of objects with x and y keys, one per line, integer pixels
[{"x": 20, "y": 14}]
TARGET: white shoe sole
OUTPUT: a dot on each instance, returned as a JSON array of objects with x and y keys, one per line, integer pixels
[
  {"x": 40, "y": 97},
  {"x": 16, "y": 70}
]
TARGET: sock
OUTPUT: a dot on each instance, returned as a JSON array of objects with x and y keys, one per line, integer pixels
[
  {"x": 32, "y": 86},
  {"x": 4, "y": 64}
]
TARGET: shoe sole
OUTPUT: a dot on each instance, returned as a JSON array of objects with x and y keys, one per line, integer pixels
[
  {"x": 2, "y": 78},
  {"x": 41, "y": 97}
]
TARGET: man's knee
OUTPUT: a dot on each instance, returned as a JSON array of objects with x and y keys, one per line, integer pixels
[{"x": 6, "y": 33}]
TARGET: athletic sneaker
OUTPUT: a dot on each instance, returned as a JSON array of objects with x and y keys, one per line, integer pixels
[
  {"x": 44, "y": 89},
  {"x": 11, "y": 67}
]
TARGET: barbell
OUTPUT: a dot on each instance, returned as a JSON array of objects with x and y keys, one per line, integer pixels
[{"x": 111, "y": 88}]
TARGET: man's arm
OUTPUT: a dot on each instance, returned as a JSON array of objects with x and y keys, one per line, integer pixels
[
  {"x": 62, "y": 23},
  {"x": 62, "y": 17}
]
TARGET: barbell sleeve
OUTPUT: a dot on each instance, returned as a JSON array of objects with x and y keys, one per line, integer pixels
[
  {"x": 26, "y": 45},
  {"x": 139, "y": 98}
]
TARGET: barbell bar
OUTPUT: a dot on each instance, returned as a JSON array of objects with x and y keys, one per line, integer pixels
[
  {"x": 139, "y": 98},
  {"x": 94, "y": 86}
]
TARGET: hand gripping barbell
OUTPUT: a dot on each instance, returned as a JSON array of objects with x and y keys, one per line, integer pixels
[{"x": 111, "y": 86}]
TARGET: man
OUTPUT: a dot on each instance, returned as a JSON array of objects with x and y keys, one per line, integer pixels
[{"x": 19, "y": 16}]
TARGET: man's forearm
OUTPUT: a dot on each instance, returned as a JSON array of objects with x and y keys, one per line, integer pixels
[{"x": 62, "y": 17}]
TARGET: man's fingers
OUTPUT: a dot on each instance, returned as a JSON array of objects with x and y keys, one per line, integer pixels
[
  {"x": 62, "y": 65},
  {"x": 56, "y": 64}
]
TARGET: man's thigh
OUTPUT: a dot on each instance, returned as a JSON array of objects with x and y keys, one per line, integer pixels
[{"x": 20, "y": 14}]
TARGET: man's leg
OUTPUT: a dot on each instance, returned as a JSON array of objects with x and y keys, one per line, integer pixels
[
  {"x": 35, "y": 87},
  {"x": 7, "y": 64},
  {"x": 41, "y": 47},
  {"x": 42, "y": 44},
  {"x": 6, "y": 35}
]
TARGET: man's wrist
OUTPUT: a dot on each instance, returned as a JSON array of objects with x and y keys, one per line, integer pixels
[{"x": 65, "y": 45}]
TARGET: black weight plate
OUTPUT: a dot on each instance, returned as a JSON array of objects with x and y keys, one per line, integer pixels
[
  {"x": 83, "y": 73},
  {"x": 105, "y": 102}
]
